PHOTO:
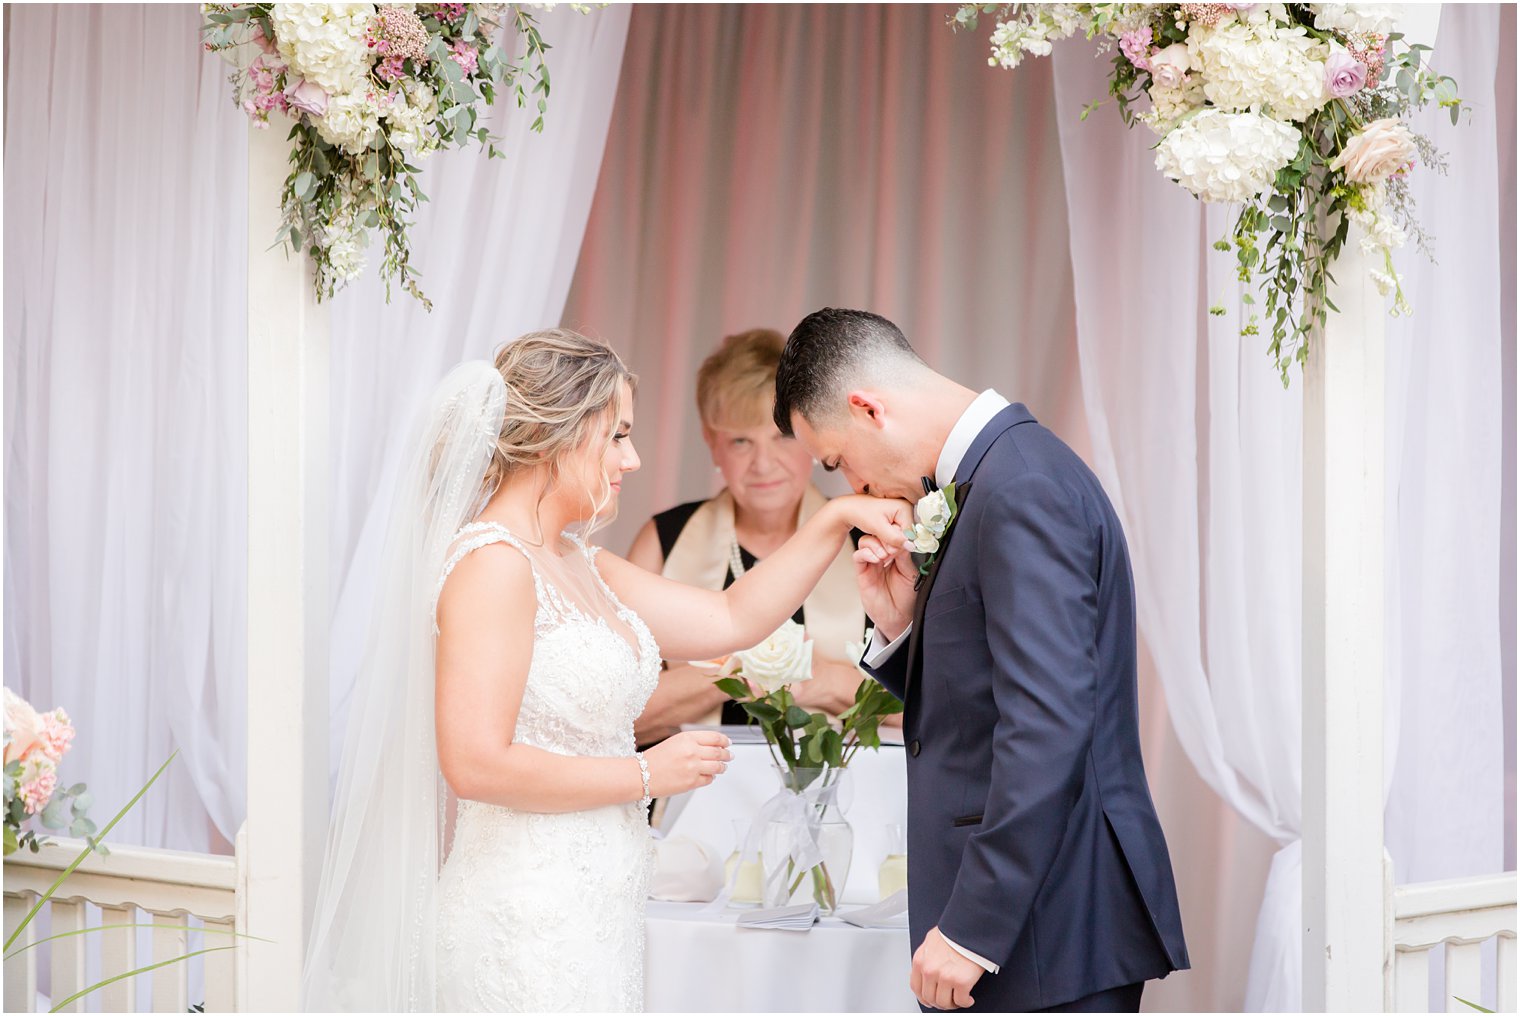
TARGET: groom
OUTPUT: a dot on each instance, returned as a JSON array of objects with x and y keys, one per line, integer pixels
[{"x": 1038, "y": 874}]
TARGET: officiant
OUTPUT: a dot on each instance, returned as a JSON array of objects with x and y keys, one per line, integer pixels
[{"x": 767, "y": 494}]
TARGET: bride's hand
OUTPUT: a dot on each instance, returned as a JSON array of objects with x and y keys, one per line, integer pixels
[
  {"x": 882, "y": 517},
  {"x": 685, "y": 761}
]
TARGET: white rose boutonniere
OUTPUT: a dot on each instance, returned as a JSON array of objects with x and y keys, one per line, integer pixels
[{"x": 933, "y": 515}]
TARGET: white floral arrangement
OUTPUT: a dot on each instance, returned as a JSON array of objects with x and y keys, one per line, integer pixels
[
  {"x": 1297, "y": 112},
  {"x": 373, "y": 90}
]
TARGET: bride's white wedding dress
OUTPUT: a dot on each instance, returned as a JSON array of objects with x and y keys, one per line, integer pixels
[{"x": 546, "y": 911}]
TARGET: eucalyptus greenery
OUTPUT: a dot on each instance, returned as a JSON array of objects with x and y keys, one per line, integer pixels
[
  {"x": 333, "y": 194},
  {"x": 65, "y": 813},
  {"x": 1286, "y": 238}
]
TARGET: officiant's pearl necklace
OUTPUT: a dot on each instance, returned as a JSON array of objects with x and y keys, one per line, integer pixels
[{"x": 735, "y": 559}]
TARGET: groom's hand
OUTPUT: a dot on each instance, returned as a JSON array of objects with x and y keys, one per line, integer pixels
[
  {"x": 942, "y": 977},
  {"x": 886, "y": 580}
]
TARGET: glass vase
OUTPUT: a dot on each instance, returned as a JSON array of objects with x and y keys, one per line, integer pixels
[{"x": 815, "y": 817}]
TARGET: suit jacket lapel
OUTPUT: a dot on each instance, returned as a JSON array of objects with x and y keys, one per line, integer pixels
[
  {"x": 1011, "y": 416},
  {"x": 921, "y": 602}
]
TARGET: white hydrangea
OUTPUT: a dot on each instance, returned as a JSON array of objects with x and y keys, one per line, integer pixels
[
  {"x": 1170, "y": 105},
  {"x": 324, "y": 43},
  {"x": 1227, "y": 157},
  {"x": 1357, "y": 18},
  {"x": 351, "y": 121},
  {"x": 1259, "y": 66},
  {"x": 346, "y": 255},
  {"x": 409, "y": 118}
]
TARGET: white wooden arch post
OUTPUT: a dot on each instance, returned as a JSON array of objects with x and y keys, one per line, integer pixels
[
  {"x": 1344, "y": 895},
  {"x": 288, "y": 606}
]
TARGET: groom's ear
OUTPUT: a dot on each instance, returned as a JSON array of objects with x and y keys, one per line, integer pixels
[{"x": 868, "y": 406}]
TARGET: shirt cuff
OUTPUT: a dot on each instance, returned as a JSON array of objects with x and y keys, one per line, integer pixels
[
  {"x": 980, "y": 961},
  {"x": 881, "y": 651}
]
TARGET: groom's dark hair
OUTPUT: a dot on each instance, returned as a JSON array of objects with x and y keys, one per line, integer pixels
[{"x": 825, "y": 355}]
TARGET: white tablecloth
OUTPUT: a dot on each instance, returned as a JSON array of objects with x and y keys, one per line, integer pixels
[
  {"x": 876, "y": 796},
  {"x": 698, "y": 961}
]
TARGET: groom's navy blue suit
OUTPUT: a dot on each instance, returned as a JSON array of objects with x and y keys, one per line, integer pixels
[{"x": 1032, "y": 838}]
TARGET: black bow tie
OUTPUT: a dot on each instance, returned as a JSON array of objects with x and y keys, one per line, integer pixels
[{"x": 929, "y": 486}]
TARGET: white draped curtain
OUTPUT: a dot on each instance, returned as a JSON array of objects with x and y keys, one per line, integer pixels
[
  {"x": 126, "y": 406},
  {"x": 768, "y": 160},
  {"x": 1200, "y": 448},
  {"x": 126, "y": 376}
]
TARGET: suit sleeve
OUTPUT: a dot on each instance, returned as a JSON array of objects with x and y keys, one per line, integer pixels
[
  {"x": 888, "y": 664},
  {"x": 1039, "y": 595}
]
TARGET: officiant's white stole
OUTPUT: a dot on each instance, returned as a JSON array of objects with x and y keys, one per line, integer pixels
[{"x": 833, "y": 613}]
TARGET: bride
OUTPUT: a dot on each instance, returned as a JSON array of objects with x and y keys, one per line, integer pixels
[{"x": 489, "y": 849}]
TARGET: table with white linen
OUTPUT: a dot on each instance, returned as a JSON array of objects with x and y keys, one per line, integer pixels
[
  {"x": 875, "y": 796},
  {"x": 698, "y": 960}
]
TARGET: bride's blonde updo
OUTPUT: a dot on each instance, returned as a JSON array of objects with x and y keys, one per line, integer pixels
[{"x": 560, "y": 386}]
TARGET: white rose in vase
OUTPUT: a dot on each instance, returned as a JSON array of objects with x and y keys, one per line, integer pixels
[{"x": 784, "y": 657}]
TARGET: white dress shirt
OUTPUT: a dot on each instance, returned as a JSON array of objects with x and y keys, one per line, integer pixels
[{"x": 972, "y": 422}]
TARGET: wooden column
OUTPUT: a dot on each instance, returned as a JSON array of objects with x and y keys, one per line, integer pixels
[
  {"x": 1344, "y": 896},
  {"x": 288, "y": 602},
  {"x": 1343, "y": 650}
]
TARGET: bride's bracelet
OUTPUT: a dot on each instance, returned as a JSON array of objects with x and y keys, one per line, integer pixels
[{"x": 645, "y": 801}]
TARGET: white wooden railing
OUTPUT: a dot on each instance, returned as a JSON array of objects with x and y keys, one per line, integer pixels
[
  {"x": 1461, "y": 914},
  {"x": 133, "y": 885}
]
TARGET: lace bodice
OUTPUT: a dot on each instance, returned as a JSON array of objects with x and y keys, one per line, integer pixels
[
  {"x": 545, "y": 911},
  {"x": 586, "y": 684}
]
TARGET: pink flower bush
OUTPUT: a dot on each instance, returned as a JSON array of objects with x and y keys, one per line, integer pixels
[
  {"x": 1371, "y": 52},
  {"x": 465, "y": 56},
  {"x": 1136, "y": 46},
  {"x": 57, "y": 734},
  {"x": 34, "y": 745},
  {"x": 39, "y": 778},
  {"x": 396, "y": 31}
]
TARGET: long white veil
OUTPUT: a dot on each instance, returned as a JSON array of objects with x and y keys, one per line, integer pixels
[{"x": 371, "y": 943}]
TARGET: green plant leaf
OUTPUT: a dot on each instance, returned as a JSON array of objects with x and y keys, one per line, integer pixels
[
  {"x": 115, "y": 927},
  {"x": 93, "y": 843},
  {"x": 1471, "y": 1005},
  {"x": 133, "y": 973},
  {"x": 762, "y": 711},
  {"x": 797, "y": 717},
  {"x": 733, "y": 688}
]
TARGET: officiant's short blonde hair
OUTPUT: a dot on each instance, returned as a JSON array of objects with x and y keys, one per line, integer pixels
[{"x": 736, "y": 386}]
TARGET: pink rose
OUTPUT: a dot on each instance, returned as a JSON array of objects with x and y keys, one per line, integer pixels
[
  {"x": 23, "y": 727},
  {"x": 1135, "y": 45},
  {"x": 1344, "y": 74},
  {"x": 307, "y": 97},
  {"x": 1381, "y": 149},
  {"x": 1169, "y": 66}
]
